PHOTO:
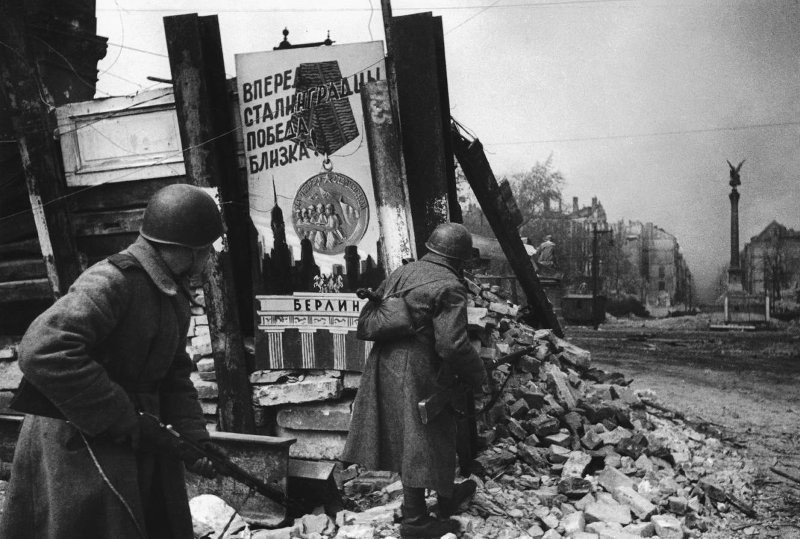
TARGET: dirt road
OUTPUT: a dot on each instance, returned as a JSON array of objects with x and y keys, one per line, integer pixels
[{"x": 747, "y": 383}]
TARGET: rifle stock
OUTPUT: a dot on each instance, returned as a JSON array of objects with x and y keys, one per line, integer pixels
[{"x": 432, "y": 406}]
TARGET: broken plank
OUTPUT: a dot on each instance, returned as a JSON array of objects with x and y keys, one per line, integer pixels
[
  {"x": 479, "y": 174},
  {"x": 107, "y": 222},
  {"x": 25, "y": 290},
  {"x": 23, "y": 269}
]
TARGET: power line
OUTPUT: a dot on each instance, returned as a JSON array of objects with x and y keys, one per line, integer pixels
[
  {"x": 643, "y": 135},
  {"x": 361, "y": 9},
  {"x": 472, "y": 17},
  {"x": 122, "y": 46}
]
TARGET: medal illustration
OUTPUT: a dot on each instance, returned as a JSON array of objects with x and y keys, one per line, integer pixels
[{"x": 331, "y": 210}]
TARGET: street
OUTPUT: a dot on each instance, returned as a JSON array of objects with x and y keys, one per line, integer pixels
[{"x": 746, "y": 385}]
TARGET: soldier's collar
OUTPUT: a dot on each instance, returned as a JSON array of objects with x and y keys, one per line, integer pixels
[{"x": 154, "y": 266}]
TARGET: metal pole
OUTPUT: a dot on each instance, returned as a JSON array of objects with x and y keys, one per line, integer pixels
[{"x": 595, "y": 271}]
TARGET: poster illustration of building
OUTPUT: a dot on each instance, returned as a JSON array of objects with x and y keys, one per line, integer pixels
[{"x": 303, "y": 132}]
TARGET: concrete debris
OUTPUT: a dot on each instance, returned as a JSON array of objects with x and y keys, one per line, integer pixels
[{"x": 210, "y": 516}]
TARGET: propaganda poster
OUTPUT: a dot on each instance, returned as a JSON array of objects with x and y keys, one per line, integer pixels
[{"x": 305, "y": 146}]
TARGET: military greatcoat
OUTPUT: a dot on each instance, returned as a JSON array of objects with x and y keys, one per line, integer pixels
[
  {"x": 386, "y": 432},
  {"x": 114, "y": 344}
]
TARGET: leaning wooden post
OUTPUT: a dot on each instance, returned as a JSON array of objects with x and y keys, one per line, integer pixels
[
  {"x": 388, "y": 180},
  {"x": 203, "y": 168},
  {"x": 32, "y": 110},
  {"x": 481, "y": 178}
]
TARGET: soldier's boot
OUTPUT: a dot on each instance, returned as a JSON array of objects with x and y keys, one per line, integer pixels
[
  {"x": 416, "y": 522},
  {"x": 426, "y": 527},
  {"x": 448, "y": 506}
]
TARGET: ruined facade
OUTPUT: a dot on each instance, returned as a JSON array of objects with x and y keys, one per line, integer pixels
[
  {"x": 770, "y": 262},
  {"x": 655, "y": 255}
]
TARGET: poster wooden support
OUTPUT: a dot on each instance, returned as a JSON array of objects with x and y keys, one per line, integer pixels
[
  {"x": 424, "y": 119},
  {"x": 481, "y": 178},
  {"x": 391, "y": 191},
  {"x": 199, "y": 128}
]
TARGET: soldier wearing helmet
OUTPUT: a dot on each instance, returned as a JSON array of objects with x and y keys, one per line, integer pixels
[
  {"x": 386, "y": 432},
  {"x": 108, "y": 359}
]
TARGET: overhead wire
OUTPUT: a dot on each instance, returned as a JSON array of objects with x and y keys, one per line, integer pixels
[
  {"x": 122, "y": 176},
  {"x": 122, "y": 31},
  {"x": 652, "y": 134}
]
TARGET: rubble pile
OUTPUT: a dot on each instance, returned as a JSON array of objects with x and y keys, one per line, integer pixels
[{"x": 572, "y": 451}]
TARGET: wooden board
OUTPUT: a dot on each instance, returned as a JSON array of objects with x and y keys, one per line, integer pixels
[
  {"x": 30, "y": 289},
  {"x": 22, "y": 269},
  {"x": 119, "y": 195},
  {"x": 107, "y": 222}
]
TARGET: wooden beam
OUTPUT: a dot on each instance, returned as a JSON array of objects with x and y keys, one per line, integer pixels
[
  {"x": 16, "y": 270},
  {"x": 117, "y": 195},
  {"x": 22, "y": 247},
  {"x": 107, "y": 222},
  {"x": 204, "y": 168},
  {"x": 419, "y": 89},
  {"x": 25, "y": 290},
  {"x": 32, "y": 109},
  {"x": 233, "y": 193},
  {"x": 481, "y": 178},
  {"x": 385, "y": 155}
]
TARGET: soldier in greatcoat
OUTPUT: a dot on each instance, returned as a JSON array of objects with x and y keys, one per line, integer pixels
[
  {"x": 104, "y": 356},
  {"x": 386, "y": 432}
]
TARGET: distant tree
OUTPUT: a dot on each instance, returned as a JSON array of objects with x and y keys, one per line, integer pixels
[{"x": 538, "y": 191}]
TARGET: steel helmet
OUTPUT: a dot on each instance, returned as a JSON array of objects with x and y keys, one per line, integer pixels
[
  {"x": 451, "y": 240},
  {"x": 183, "y": 215}
]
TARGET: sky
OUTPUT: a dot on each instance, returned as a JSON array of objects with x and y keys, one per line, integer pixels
[{"x": 640, "y": 102}]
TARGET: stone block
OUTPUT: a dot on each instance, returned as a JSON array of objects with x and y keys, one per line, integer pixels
[
  {"x": 206, "y": 390},
  {"x": 591, "y": 440},
  {"x": 576, "y": 464},
  {"x": 10, "y": 375},
  {"x": 312, "y": 388},
  {"x": 678, "y": 505},
  {"x": 574, "y": 487},
  {"x": 199, "y": 331},
  {"x": 667, "y": 527},
  {"x": 209, "y": 407},
  {"x": 557, "y": 454},
  {"x": 477, "y": 317},
  {"x": 328, "y": 416},
  {"x": 640, "y": 529},
  {"x": 519, "y": 409},
  {"x": 561, "y": 438},
  {"x": 615, "y": 436},
  {"x": 584, "y": 535},
  {"x": 200, "y": 320},
  {"x": 8, "y": 352},
  {"x": 608, "y": 512},
  {"x": 573, "y": 523},
  {"x": 504, "y": 309},
  {"x": 351, "y": 380},
  {"x": 613, "y": 533},
  {"x": 314, "y": 445},
  {"x": 572, "y": 354},
  {"x": 640, "y": 505},
  {"x": 205, "y": 365},
  {"x": 581, "y": 504},
  {"x": 274, "y": 377},
  {"x": 516, "y": 430},
  {"x": 544, "y": 425},
  {"x": 199, "y": 347},
  {"x": 611, "y": 479}
]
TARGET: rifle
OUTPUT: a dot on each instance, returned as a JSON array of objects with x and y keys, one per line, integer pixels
[
  {"x": 432, "y": 406},
  {"x": 222, "y": 464}
]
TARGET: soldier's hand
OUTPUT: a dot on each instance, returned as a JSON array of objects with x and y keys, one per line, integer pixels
[
  {"x": 203, "y": 466},
  {"x": 200, "y": 464}
]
